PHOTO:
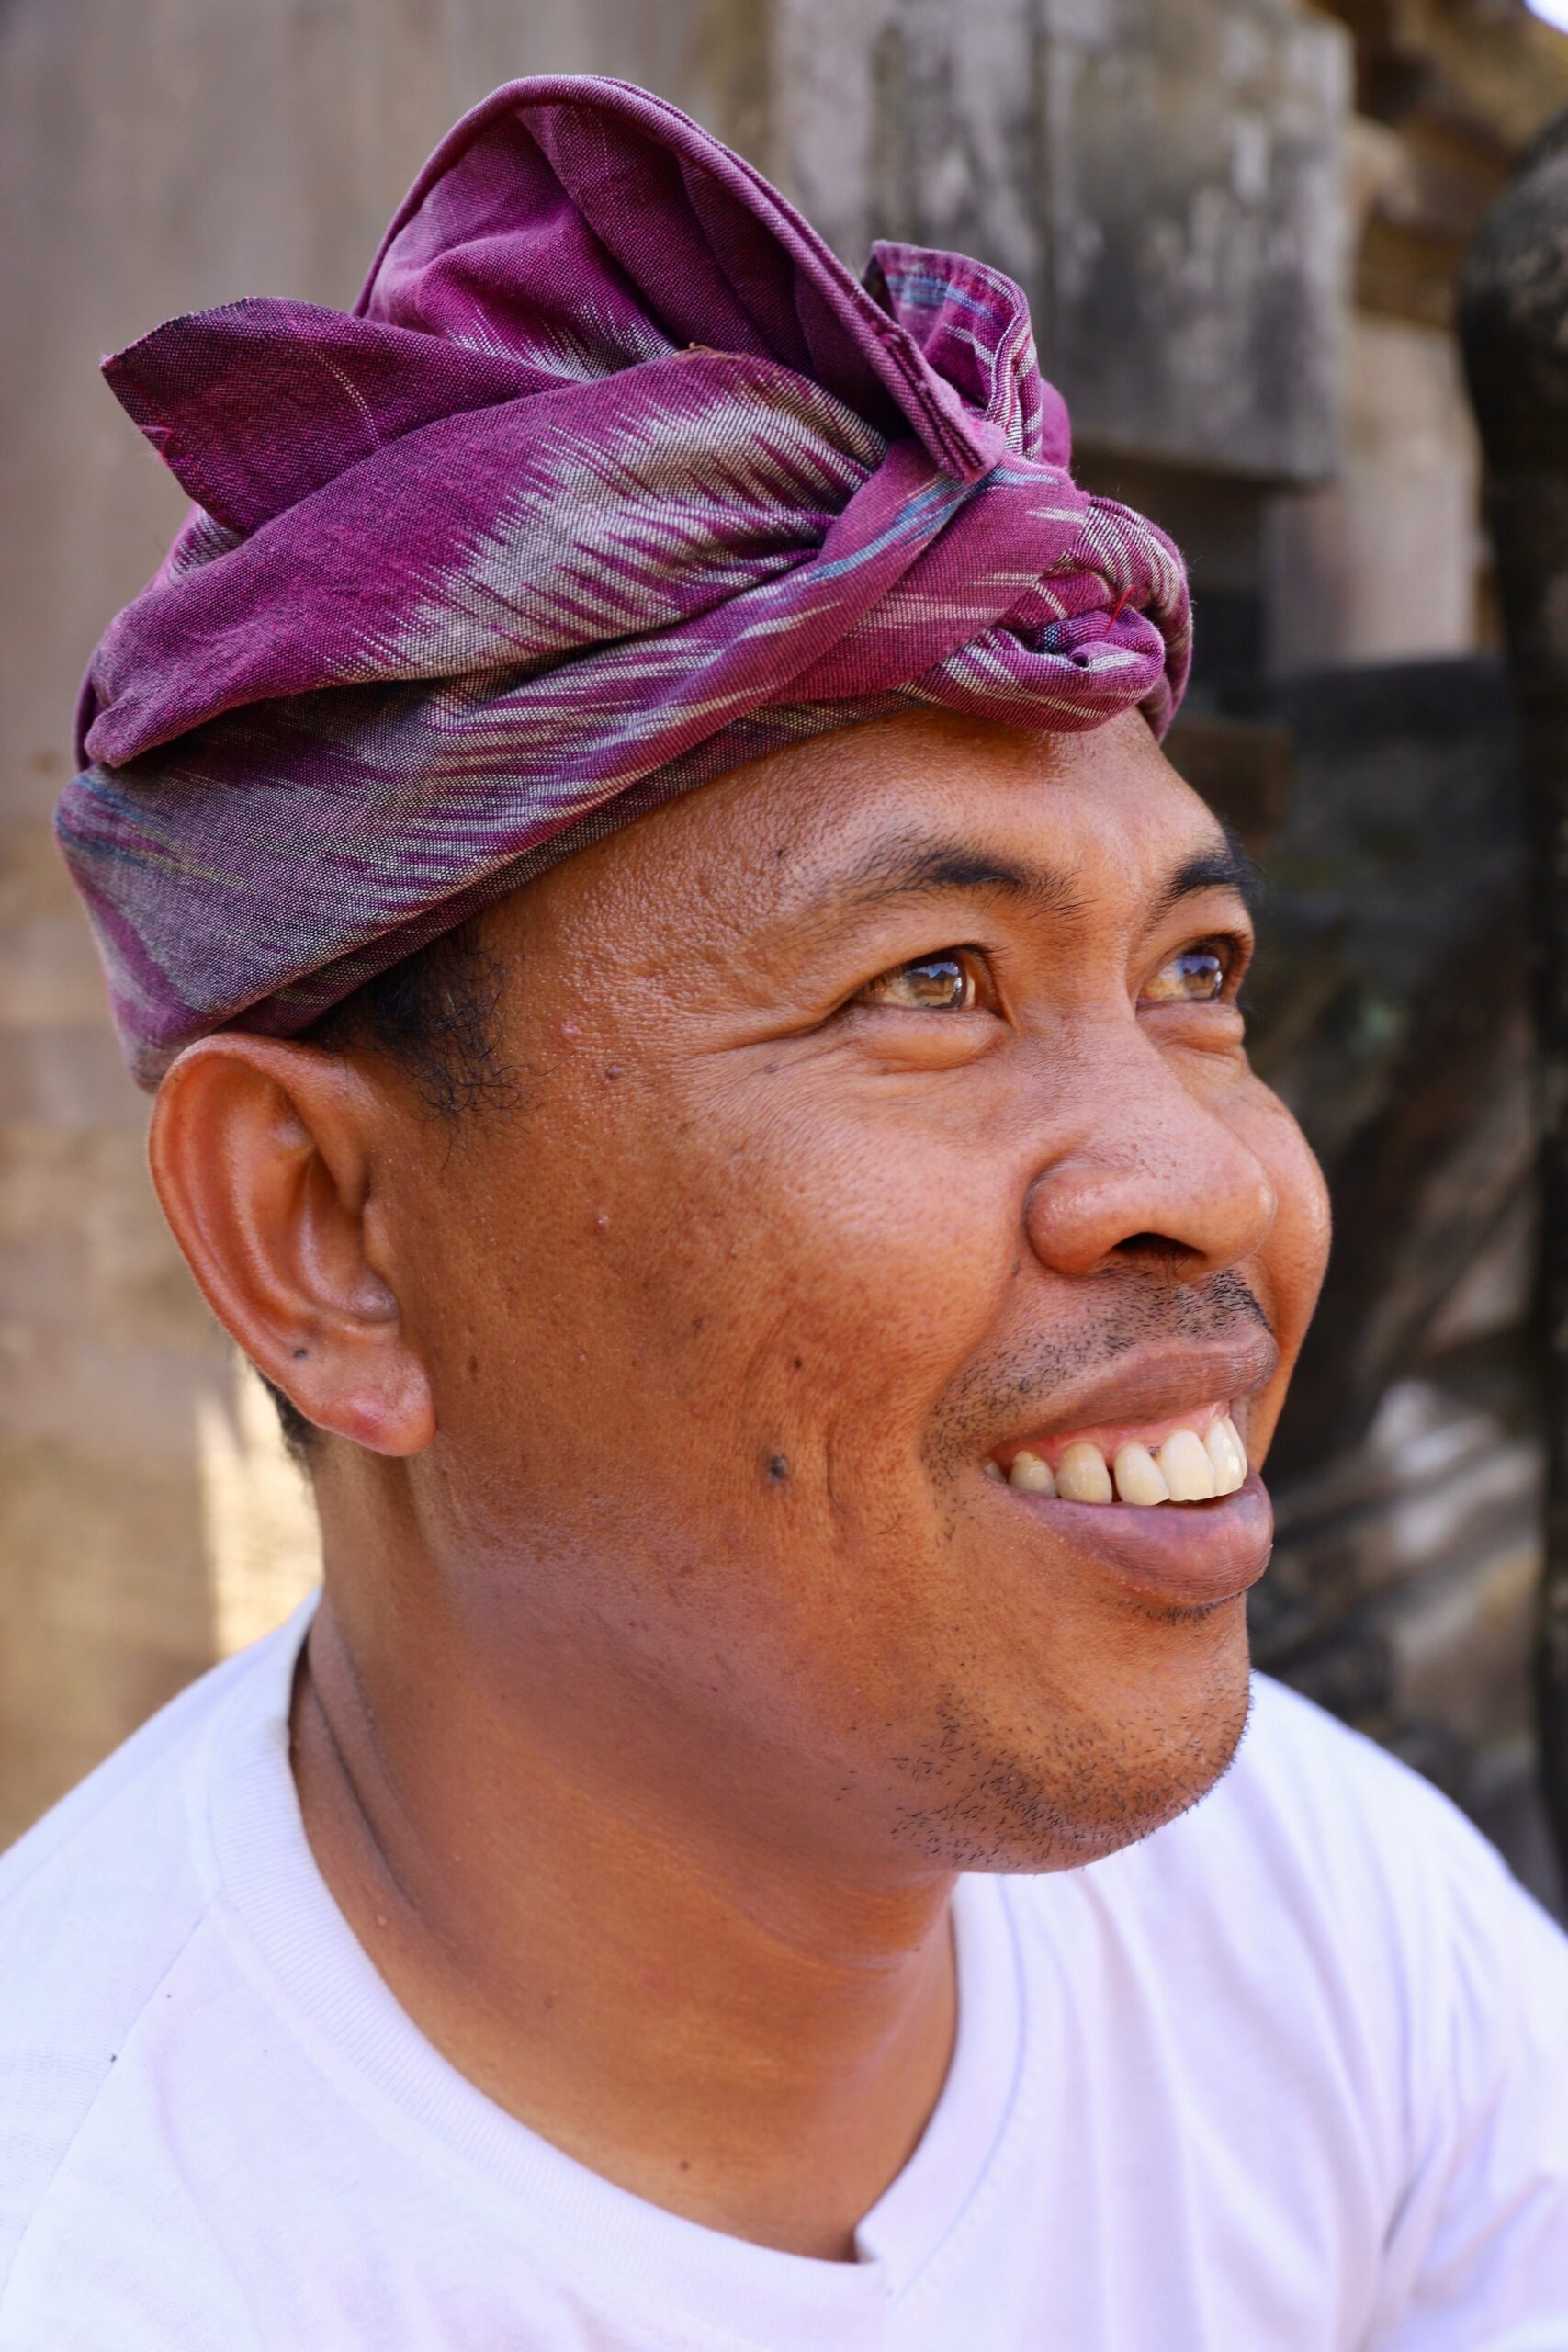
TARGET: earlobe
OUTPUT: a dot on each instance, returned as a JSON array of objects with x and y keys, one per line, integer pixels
[{"x": 262, "y": 1154}]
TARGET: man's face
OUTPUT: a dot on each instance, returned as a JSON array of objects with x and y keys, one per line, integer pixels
[{"x": 879, "y": 1117}]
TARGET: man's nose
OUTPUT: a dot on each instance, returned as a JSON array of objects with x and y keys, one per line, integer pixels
[{"x": 1150, "y": 1170}]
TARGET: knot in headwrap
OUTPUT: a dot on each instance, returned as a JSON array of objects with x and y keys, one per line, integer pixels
[{"x": 614, "y": 480}]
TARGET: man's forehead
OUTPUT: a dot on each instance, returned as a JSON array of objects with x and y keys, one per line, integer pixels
[{"x": 1105, "y": 824}]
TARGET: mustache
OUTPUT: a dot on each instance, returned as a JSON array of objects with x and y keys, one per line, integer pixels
[{"x": 1026, "y": 1385}]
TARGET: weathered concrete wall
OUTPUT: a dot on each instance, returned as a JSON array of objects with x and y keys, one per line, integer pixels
[
  {"x": 912, "y": 120},
  {"x": 1385, "y": 564},
  {"x": 1195, "y": 185},
  {"x": 1164, "y": 177},
  {"x": 1389, "y": 561}
]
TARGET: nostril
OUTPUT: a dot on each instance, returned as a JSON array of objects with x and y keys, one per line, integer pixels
[{"x": 1156, "y": 1249}]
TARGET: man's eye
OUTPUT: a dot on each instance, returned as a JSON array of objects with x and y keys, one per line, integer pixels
[
  {"x": 1195, "y": 977},
  {"x": 954, "y": 982}
]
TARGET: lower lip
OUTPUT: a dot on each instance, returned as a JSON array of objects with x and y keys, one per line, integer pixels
[{"x": 1191, "y": 1554}]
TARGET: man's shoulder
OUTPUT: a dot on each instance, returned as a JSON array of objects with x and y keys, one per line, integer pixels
[{"x": 98, "y": 1902}]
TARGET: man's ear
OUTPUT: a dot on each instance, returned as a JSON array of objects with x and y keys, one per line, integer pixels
[{"x": 262, "y": 1155}]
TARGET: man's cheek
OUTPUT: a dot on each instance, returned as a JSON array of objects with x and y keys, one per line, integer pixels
[
  {"x": 1295, "y": 1256},
  {"x": 895, "y": 1253},
  {"x": 1300, "y": 1241}
]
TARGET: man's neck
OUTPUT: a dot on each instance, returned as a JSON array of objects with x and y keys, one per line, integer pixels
[{"x": 716, "y": 2027}]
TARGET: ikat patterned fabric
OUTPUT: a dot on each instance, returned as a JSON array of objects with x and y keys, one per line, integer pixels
[{"x": 614, "y": 480}]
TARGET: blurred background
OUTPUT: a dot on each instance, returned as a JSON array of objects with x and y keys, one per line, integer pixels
[{"x": 1240, "y": 224}]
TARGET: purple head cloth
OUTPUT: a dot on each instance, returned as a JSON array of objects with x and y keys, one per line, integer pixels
[{"x": 615, "y": 478}]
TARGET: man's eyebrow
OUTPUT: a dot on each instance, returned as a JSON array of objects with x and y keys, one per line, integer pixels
[
  {"x": 913, "y": 867},
  {"x": 910, "y": 866},
  {"x": 1224, "y": 866}
]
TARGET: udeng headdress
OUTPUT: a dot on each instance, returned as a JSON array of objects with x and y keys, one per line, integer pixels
[{"x": 614, "y": 480}]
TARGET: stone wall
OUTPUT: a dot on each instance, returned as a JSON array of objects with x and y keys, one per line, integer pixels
[{"x": 1387, "y": 560}]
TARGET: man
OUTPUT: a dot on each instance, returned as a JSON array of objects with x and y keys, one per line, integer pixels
[{"x": 696, "y": 1046}]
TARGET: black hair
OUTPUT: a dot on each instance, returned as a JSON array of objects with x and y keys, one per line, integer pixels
[{"x": 435, "y": 1019}]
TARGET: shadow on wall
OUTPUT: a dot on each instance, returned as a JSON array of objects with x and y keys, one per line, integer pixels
[{"x": 1390, "y": 1010}]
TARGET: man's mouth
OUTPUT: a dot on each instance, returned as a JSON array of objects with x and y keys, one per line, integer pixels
[
  {"x": 1143, "y": 1471},
  {"x": 1195, "y": 1456}
]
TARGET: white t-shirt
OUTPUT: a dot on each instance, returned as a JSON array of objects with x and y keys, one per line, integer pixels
[{"x": 1289, "y": 2076}]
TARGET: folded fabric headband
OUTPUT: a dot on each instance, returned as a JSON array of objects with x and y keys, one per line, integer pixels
[{"x": 614, "y": 480}]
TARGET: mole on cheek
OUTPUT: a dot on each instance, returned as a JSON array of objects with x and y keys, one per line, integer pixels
[{"x": 778, "y": 1468}]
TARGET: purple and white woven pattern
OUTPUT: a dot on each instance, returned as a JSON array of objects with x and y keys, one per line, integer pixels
[{"x": 616, "y": 480}]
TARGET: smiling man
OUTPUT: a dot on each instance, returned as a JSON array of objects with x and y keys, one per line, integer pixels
[{"x": 696, "y": 1044}]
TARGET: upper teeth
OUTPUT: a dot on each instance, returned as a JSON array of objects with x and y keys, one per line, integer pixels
[{"x": 1186, "y": 1468}]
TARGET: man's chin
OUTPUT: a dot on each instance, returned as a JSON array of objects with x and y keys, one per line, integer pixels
[{"x": 982, "y": 1801}]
